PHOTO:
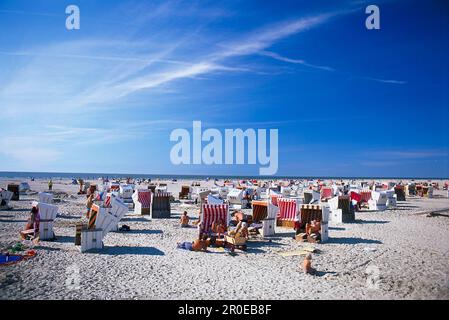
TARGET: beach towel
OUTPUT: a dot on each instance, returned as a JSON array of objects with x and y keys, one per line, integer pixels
[{"x": 9, "y": 259}]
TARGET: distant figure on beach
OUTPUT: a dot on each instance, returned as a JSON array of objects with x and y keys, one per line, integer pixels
[
  {"x": 50, "y": 184},
  {"x": 184, "y": 220},
  {"x": 32, "y": 226}
]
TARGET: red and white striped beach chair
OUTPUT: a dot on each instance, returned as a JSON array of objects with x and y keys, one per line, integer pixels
[
  {"x": 366, "y": 196},
  {"x": 326, "y": 193},
  {"x": 288, "y": 212},
  {"x": 211, "y": 213},
  {"x": 142, "y": 201}
]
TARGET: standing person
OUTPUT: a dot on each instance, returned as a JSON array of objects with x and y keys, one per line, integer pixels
[
  {"x": 50, "y": 185},
  {"x": 89, "y": 203}
]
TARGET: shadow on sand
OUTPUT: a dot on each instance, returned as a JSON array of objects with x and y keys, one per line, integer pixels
[
  {"x": 345, "y": 240},
  {"x": 357, "y": 221},
  {"x": 136, "y": 231},
  {"x": 115, "y": 251}
]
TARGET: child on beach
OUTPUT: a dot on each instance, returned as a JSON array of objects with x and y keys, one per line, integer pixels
[
  {"x": 32, "y": 226},
  {"x": 184, "y": 220}
]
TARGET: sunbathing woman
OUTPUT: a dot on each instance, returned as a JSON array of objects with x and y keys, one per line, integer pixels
[{"x": 32, "y": 226}]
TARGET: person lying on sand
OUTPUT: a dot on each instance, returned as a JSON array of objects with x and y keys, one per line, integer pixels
[
  {"x": 184, "y": 220},
  {"x": 32, "y": 226},
  {"x": 197, "y": 245}
]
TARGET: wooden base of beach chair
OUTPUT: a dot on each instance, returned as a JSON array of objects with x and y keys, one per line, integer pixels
[
  {"x": 267, "y": 229},
  {"x": 78, "y": 228},
  {"x": 46, "y": 230},
  {"x": 160, "y": 214},
  {"x": 91, "y": 239},
  {"x": 285, "y": 223}
]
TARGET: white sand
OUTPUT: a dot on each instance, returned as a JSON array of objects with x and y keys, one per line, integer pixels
[{"x": 411, "y": 253}]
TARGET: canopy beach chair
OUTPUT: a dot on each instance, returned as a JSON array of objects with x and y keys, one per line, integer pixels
[
  {"x": 288, "y": 212},
  {"x": 142, "y": 201},
  {"x": 5, "y": 198},
  {"x": 185, "y": 192},
  {"x": 14, "y": 188},
  {"x": 47, "y": 213},
  {"x": 311, "y": 197},
  {"x": 211, "y": 213},
  {"x": 378, "y": 201},
  {"x": 341, "y": 210},
  {"x": 265, "y": 213},
  {"x": 310, "y": 213},
  {"x": 45, "y": 197},
  {"x": 400, "y": 193},
  {"x": 160, "y": 206},
  {"x": 326, "y": 193},
  {"x": 101, "y": 221}
]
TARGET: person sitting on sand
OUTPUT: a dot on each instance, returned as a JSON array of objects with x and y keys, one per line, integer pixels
[
  {"x": 32, "y": 226},
  {"x": 184, "y": 220}
]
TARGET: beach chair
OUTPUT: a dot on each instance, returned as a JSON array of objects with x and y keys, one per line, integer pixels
[
  {"x": 419, "y": 190},
  {"x": 264, "y": 213},
  {"x": 391, "y": 199},
  {"x": 14, "y": 188},
  {"x": 213, "y": 200},
  {"x": 400, "y": 193},
  {"x": 326, "y": 193},
  {"x": 211, "y": 213},
  {"x": 47, "y": 213},
  {"x": 160, "y": 205},
  {"x": 341, "y": 210},
  {"x": 185, "y": 193},
  {"x": 142, "y": 201},
  {"x": 235, "y": 198},
  {"x": 45, "y": 197},
  {"x": 311, "y": 197},
  {"x": 314, "y": 212},
  {"x": 288, "y": 212},
  {"x": 378, "y": 201},
  {"x": 126, "y": 191},
  {"x": 24, "y": 187},
  {"x": 366, "y": 196},
  {"x": 5, "y": 198},
  {"x": 107, "y": 219},
  {"x": 286, "y": 191},
  {"x": 427, "y": 191}
]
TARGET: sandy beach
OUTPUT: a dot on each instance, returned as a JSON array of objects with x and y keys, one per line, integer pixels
[{"x": 407, "y": 253}]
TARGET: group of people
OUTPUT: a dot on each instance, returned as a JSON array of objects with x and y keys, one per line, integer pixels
[{"x": 238, "y": 228}]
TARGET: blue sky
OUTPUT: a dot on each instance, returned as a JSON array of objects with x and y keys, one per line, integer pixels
[{"x": 347, "y": 101}]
